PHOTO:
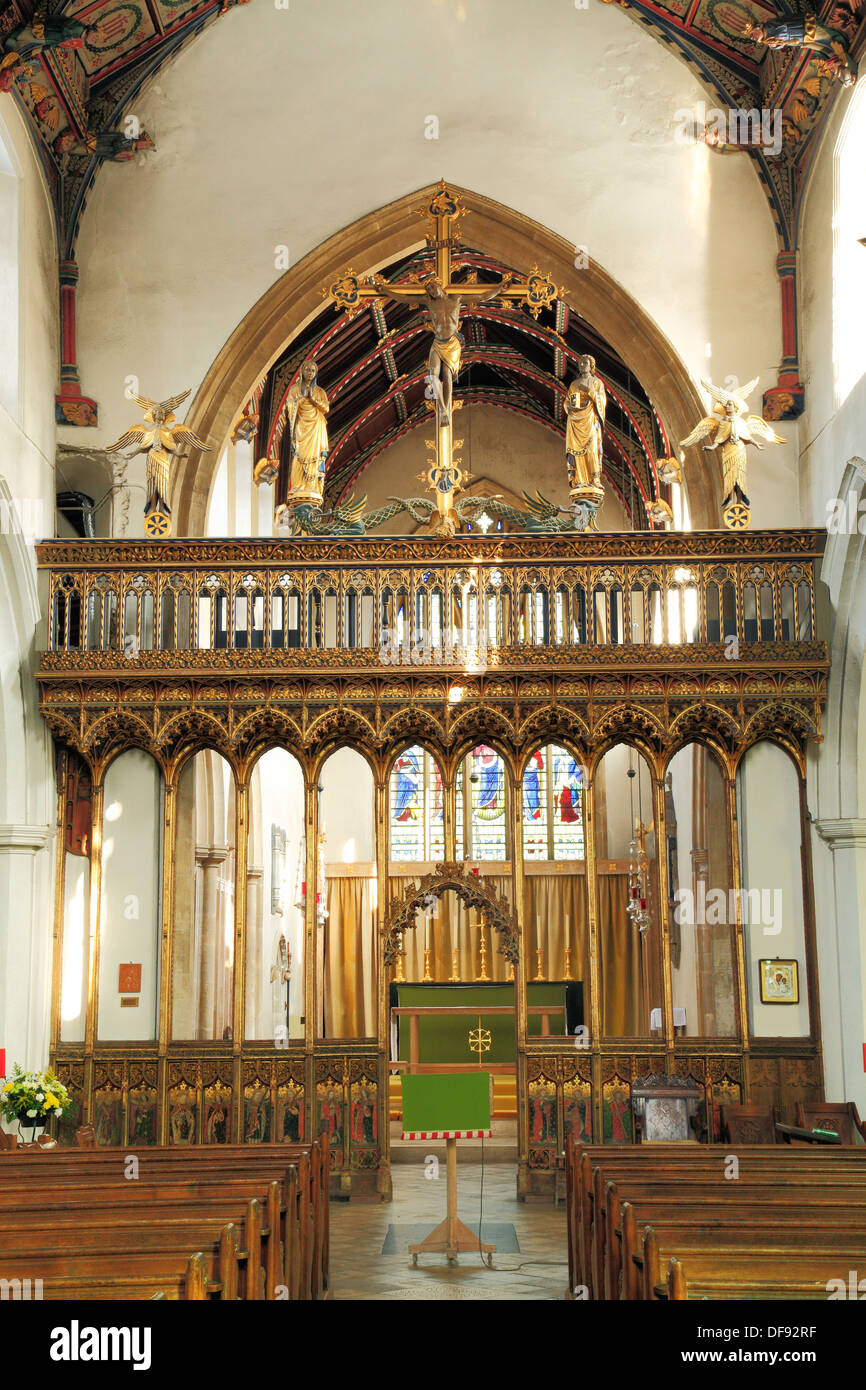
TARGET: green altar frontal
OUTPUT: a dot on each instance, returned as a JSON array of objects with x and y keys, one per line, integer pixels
[{"x": 446, "y": 1039}]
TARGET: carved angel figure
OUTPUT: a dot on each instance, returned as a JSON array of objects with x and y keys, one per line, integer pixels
[
  {"x": 727, "y": 428},
  {"x": 161, "y": 439}
]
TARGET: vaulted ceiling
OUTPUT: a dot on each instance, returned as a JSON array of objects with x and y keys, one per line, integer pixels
[
  {"x": 76, "y": 68},
  {"x": 73, "y": 84}
]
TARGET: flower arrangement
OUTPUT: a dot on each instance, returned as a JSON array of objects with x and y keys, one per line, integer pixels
[{"x": 32, "y": 1097}]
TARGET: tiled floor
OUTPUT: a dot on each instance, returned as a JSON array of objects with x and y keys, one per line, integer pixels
[{"x": 360, "y": 1271}]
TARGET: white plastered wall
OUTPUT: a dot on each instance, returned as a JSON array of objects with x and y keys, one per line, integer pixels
[
  {"x": 833, "y": 465},
  {"x": 27, "y": 432},
  {"x": 280, "y": 127}
]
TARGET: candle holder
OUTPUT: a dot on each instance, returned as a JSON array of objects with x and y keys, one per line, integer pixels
[
  {"x": 539, "y": 973},
  {"x": 428, "y": 978},
  {"x": 511, "y": 970},
  {"x": 484, "y": 975},
  {"x": 567, "y": 964},
  {"x": 399, "y": 977},
  {"x": 455, "y": 969}
]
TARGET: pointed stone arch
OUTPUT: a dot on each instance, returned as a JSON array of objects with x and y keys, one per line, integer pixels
[{"x": 383, "y": 236}]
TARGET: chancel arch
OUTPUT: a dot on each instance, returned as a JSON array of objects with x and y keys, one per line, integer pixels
[{"x": 287, "y": 311}]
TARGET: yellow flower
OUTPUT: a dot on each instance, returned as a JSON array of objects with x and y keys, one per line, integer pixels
[
  {"x": 49, "y": 1101},
  {"x": 8, "y": 1086}
]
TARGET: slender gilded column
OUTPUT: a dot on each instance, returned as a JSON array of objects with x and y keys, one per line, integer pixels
[
  {"x": 59, "y": 913},
  {"x": 449, "y": 812},
  {"x": 595, "y": 964},
  {"x": 740, "y": 955},
  {"x": 521, "y": 974},
  {"x": 522, "y": 971},
  {"x": 664, "y": 934},
  {"x": 311, "y": 943},
  {"x": 95, "y": 910},
  {"x": 167, "y": 914},
  {"x": 383, "y": 850},
  {"x": 240, "y": 922}
]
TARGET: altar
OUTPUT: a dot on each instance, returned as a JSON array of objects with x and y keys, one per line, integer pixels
[{"x": 436, "y": 1020}]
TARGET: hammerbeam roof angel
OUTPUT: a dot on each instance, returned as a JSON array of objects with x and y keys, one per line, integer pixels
[
  {"x": 728, "y": 430},
  {"x": 161, "y": 439}
]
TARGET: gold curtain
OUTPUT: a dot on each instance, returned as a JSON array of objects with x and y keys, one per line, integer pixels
[
  {"x": 620, "y": 946},
  {"x": 348, "y": 959},
  {"x": 550, "y": 899}
]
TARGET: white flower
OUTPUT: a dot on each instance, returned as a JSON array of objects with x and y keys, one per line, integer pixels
[
  {"x": 40, "y": 1096},
  {"x": 31, "y": 1114}
]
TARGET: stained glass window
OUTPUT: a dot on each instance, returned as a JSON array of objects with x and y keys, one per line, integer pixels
[
  {"x": 553, "y": 805},
  {"x": 481, "y": 784},
  {"x": 417, "y": 826}
]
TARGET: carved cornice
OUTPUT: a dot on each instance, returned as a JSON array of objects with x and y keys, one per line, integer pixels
[
  {"x": 172, "y": 666},
  {"x": 590, "y": 710},
  {"x": 800, "y": 544}
]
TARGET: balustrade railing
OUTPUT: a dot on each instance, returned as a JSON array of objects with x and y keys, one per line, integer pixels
[{"x": 419, "y": 607}]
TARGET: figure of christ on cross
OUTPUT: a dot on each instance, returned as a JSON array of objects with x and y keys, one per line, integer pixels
[{"x": 443, "y": 307}]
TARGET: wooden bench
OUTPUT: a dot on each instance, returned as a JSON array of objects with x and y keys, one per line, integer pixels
[
  {"x": 630, "y": 1211},
  {"x": 182, "y": 1200}
]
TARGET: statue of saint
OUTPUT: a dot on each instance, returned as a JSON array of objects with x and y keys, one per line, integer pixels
[
  {"x": 308, "y": 431},
  {"x": 585, "y": 406},
  {"x": 443, "y": 308},
  {"x": 829, "y": 45}
]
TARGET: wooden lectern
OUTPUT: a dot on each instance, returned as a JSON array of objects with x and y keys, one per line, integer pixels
[{"x": 448, "y": 1107}]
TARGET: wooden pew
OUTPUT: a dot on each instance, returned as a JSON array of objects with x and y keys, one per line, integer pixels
[
  {"x": 586, "y": 1186},
  {"x": 55, "y": 1246},
  {"x": 763, "y": 1274},
  {"x": 176, "y": 1187},
  {"x": 815, "y": 1205}
]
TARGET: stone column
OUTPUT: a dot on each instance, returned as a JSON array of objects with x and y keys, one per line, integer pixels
[
  {"x": 26, "y": 880},
  {"x": 843, "y": 980},
  {"x": 209, "y": 861}
]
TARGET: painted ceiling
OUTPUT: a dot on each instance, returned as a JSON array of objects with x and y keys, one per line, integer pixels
[{"x": 76, "y": 67}]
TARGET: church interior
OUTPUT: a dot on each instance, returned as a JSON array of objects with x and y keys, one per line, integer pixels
[{"x": 432, "y": 481}]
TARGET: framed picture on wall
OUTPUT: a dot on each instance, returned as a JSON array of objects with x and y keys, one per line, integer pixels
[{"x": 780, "y": 982}]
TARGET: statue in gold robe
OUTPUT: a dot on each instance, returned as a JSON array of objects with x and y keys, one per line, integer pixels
[
  {"x": 585, "y": 407},
  {"x": 730, "y": 429},
  {"x": 308, "y": 432}
]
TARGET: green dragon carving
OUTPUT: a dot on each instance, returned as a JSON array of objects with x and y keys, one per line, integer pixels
[{"x": 350, "y": 518}]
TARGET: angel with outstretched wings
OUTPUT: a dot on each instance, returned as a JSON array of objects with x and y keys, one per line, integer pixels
[
  {"x": 730, "y": 428},
  {"x": 161, "y": 439}
]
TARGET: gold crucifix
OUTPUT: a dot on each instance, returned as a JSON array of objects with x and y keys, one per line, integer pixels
[{"x": 443, "y": 299}]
